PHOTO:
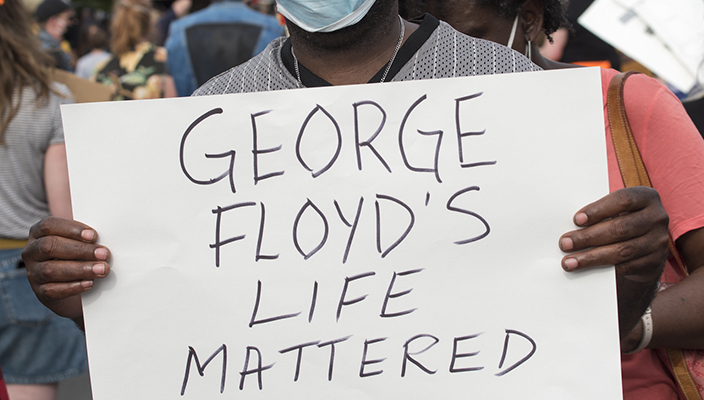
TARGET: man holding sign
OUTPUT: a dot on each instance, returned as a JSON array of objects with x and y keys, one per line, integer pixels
[{"x": 366, "y": 42}]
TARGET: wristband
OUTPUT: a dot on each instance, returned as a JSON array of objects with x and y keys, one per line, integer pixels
[{"x": 647, "y": 321}]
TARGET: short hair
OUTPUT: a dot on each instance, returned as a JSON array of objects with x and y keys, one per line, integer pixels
[{"x": 553, "y": 10}]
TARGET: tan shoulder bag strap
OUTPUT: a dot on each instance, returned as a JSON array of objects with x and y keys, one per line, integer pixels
[
  {"x": 634, "y": 173},
  {"x": 632, "y": 168}
]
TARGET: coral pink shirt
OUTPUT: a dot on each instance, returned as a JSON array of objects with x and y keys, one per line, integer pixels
[
  {"x": 673, "y": 152},
  {"x": 671, "y": 147}
]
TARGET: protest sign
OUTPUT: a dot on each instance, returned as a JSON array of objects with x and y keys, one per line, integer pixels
[{"x": 378, "y": 241}]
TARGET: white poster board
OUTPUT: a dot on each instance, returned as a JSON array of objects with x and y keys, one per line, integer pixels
[{"x": 439, "y": 279}]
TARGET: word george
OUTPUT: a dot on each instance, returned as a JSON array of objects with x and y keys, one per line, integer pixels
[{"x": 337, "y": 138}]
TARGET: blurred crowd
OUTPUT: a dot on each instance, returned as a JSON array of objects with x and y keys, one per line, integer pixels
[
  {"x": 126, "y": 47},
  {"x": 123, "y": 48}
]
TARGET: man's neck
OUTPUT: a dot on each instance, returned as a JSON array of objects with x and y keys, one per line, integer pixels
[{"x": 355, "y": 61}]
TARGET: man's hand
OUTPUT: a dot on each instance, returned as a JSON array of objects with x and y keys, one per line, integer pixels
[
  {"x": 62, "y": 261},
  {"x": 628, "y": 229}
]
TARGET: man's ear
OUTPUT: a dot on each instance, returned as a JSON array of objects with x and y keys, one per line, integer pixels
[{"x": 532, "y": 19}]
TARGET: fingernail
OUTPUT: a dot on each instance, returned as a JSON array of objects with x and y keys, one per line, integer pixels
[
  {"x": 569, "y": 264},
  {"x": 87, "y": 234},
  {"x": 581, "y": 219},
  {"x": 101, "y": 253},
  {"x": 87, "y": 284},
  {"x": 566, "y": 244},
  {"x": 99, "y": 269}
]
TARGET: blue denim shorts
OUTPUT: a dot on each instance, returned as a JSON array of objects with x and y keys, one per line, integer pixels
[{"x": 36, "y": 345}]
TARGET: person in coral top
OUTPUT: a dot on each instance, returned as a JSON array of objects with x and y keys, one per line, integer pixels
[{"x": 673, "y": 152}]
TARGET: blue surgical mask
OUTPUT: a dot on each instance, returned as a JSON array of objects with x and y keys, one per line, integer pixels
[{"x": 324, "y": 15}]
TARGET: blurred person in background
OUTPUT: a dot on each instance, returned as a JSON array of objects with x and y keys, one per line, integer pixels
[
  {"x": 72, "y": 35},
  {"x": 95, "y": 41},
  {"x": 215, "y": 39},
  {"x": 178, "y": 9},
  {"x": 37, "y": 348},
  {"x": 137, "y": 68},
  {"x": 54, "y": 17}
]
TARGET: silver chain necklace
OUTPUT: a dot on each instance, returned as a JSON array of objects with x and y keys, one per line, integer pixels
[{"x": 388, "y": 66}]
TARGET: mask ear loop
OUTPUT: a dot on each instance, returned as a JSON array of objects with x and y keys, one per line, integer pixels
[
  {"x": 513, "y": 31},
  {"x": 529, "y": 49}
]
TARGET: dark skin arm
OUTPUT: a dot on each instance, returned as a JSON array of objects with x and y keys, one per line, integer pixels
[
  {"x": 628, "y": 229},
  {"x": 677, "y": 312},
  {"x": 62, "y": 262}
]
